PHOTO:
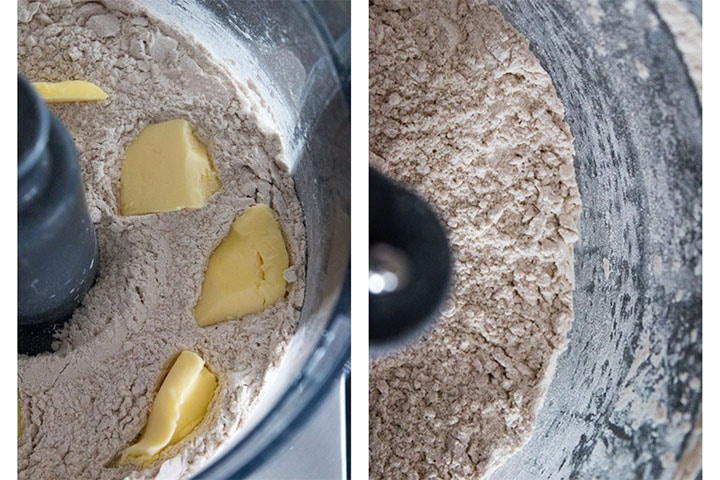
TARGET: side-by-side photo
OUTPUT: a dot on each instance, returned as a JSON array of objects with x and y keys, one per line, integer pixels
[
  {"x": 207, "y": 188},
  {"x": 535, "y": 240}
]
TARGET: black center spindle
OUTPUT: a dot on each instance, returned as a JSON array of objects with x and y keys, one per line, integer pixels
[
  {"x": 57, "y": 248},
  {"x": 410, "y": 265}
]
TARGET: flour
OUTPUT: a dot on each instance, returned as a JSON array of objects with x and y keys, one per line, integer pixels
[
  {"x": 687, "y": 31},
  {"x": 82, "y": 405},
  {"x": 462, "y": 112}
]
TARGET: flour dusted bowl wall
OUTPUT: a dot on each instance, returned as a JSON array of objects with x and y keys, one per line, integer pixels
[{"x": 625, "y": 401}]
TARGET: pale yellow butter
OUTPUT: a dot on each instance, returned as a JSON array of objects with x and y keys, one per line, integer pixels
[
  {"x": 180, "y": 404},
  {"x": 245, "y": 272},
  {"x": 193, "y": 409},
  {"x": 166, "y": 168},
  {"x": 69, "y": 91}
]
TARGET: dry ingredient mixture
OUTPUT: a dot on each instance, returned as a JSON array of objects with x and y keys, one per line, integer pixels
[
  {"x": 84, "y": 404},
  {"x": 461, "y": 111}
]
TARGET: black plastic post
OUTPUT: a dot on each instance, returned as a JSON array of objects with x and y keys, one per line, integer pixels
[
  {"x": 408, "y": 228},
  {"x": 57, "y": 248}
]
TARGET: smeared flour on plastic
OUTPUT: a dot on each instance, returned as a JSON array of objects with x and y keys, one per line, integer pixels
[
  {"x": 687, "y": 31},
  {"x": 82, "y": 405},
  {"x": 461, "y": 111}
]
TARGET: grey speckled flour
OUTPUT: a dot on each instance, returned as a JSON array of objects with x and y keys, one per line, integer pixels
[
  {"x": 82, "y": 405},
  {"x": 462, "y": 111}
]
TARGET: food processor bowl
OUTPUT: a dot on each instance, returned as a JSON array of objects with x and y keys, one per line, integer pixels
[
  {"x": 292, "y": 58},
  {"x": 625, "y": 398}
]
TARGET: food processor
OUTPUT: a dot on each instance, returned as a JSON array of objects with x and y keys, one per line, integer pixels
[
  {"x": 293, "y": 59},
  {"x": 625, "y": 397}
]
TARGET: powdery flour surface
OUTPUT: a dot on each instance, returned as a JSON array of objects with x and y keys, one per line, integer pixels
[
  {"x": 84, "y": 404},
  {"x": 462, "y": 112}
]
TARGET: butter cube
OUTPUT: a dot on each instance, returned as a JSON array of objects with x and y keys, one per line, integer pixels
[
  {"x": 166, "y": 168},
  {"x": 245, "y": 272},
  {"x": 69, "y": 91},
  {"x": 180, "y": 404}
]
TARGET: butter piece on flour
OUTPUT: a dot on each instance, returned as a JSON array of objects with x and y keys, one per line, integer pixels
[
  {"x": 166, "y": 168},
  {"x": 179, "y": 406},
  {"x": 245, "y": 272},
  {"x": 69, "y": 91}
]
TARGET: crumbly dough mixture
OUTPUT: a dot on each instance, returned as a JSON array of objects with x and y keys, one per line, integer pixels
[
  {"x": 82, "y": 405},
  {"x": 462, "y": 111}
]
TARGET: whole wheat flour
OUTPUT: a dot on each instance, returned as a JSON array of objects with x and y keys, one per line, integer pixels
[
  {"x": 84, "y": 404},
  {"x": 461, "y": 111}
]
